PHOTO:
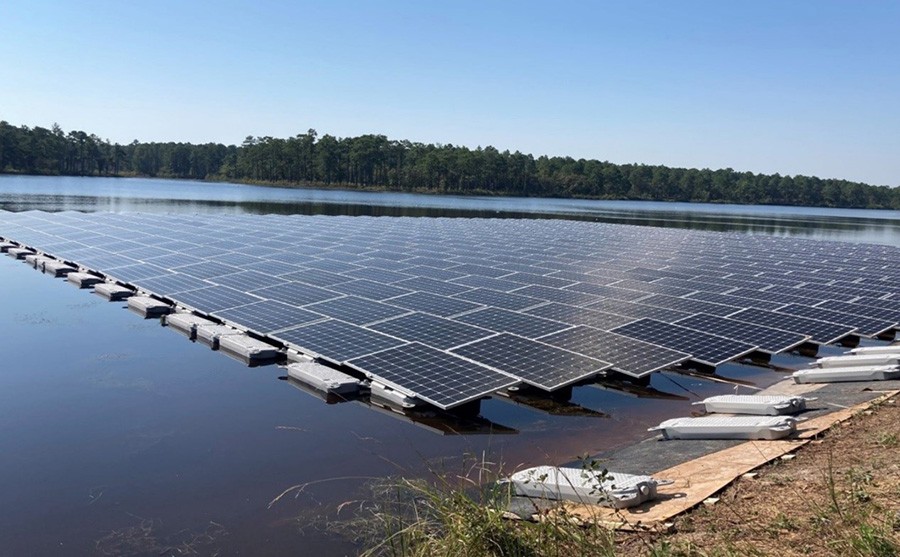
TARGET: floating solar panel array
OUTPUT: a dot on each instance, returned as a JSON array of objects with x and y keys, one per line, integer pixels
[{"x": 449, "y": 310}]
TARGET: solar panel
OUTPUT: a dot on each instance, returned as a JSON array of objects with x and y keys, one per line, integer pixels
[
  {"x": 247, "y": 280},
  {"x": 358, "y": 311},
  {"x": 735, "y": 301},
  {"x": 549, "y": 294},
  {"x": 767, "y": 339},
  {"x": 296, "y": 293},
  {"x": 498, "y": 299},
  {"x": 369, "y": 289},
  {"x": 823, "y": 332},
  {"x": 425, "y": 284},
  {"x": 579, "y": 316},
  {"x": 131, "y": 273},
  {"x": 172, "y": 283},
  {"x": 871, "y": 326},
  {"x": 501, "y": 320},
  {"x": 886, "y": 313},
  {"x": 627, "y": 355},
  {"x": 316, "y": 277},
  {"x": 704, "y": 348},
  {"x": 207, "y": 269},
  {"x": 336, "y": 341},
  {"x": 267, "y": 316},
  {"x": 638, "y": 311},
  {"x": 432, "y": 375},
  {"x": 688, "y": 305},
  {"x": 538, "y": 364},
  {"x": 214, "y": 298},
  {"x": 434, "y": 331},
  {"x": 434, "y": 304}
]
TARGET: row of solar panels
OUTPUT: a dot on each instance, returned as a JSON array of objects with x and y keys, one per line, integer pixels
[{"x": 547, "y": 330}]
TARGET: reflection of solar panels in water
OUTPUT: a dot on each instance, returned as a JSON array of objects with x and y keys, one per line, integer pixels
[
  {"x": 626, "y": 354},
  {"x": 432, "y": 375},
  {"x": 538, "y": 364},
  {"x": 766, "y": 338},
  {"x": 703, "y": 347}
]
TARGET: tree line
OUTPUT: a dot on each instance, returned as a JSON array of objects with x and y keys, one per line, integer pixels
[{"x": 376, "y": 162}]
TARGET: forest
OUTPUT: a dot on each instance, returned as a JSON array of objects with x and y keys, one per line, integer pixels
[{"x": 374, "y": 162}]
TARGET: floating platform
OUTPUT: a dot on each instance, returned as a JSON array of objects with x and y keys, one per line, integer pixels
[
  {"x": 393, "y": 397},
  {"x": 33, "y": 259},
  {"x": 83, "y": 280},
  {"x": 113, "y": 292},
  {"x": 58, "y": 268},
  {"x": 728, "y": 427},
  {"x": 757, "y": 405},
  {"x": 872, "y": 350},
  {"x": 249, "y": 349},
  {"x": 148, "y": 307},
  {"x": 323, "y": 378},
  {"x": 186, "y": 323},
  {"x": 211, "y": 335},
  {"x": 610, "y": 489},
  {"x": 19, "y": 253},
  {"x": 846, "y": 374},
  {"x": 6, "y": 246},
  {"x": 859, "y": 360}
]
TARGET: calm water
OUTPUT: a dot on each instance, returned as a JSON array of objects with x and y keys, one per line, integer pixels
[{"x": 121, "y": 437}]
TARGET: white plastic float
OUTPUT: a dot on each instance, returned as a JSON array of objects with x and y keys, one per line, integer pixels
[
  {"x": 323, "y": 378},
  {"x": 728, "y": 427},
  {"x": 858, "y": 360},
  {"x": 148, "y": 307},
  {"x": 83, "y": 280},
  {"x": 186, "y": 323},
  {"x": 611, "y": 489},
  {"x": 846, "y": 374},
  {"x": 758, "y": 405},
  {"x": 112, "y": 292}
]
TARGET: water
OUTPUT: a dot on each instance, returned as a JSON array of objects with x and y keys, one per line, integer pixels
[{"x": 121, "y": 437}]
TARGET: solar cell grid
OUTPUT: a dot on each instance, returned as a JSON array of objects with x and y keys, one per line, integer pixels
[
  {"x": 627, "y": 355},
  {"x": 886, "y": 313},
  {"x": 355, "y": 310},
  {"x": 434, "y": 331},
  {"x": 336, "y": 341},
  {"x": 501, "y": 320},
  {"x": 703, "y": 347},
  {"x": 267, "y": 316},
  {"x": 296, "y": 293},
  {"x": 579, "y": 316},
  {"x": 823, "y": 332},
  {"x": 432, "y": 375},
  {"x": 870, "y": 326},
  {"x": 766, "y": 338},
  {"x": 541, "y": 365},
  {"x": 214, "y": 298},
  {"x": 369, "y": 289}
]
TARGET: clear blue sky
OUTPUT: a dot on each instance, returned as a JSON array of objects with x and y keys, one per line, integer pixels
[{"x": 796, "y": 87}]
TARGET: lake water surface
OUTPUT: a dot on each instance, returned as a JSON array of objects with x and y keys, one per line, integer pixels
[{"x": 121, "y": 437}]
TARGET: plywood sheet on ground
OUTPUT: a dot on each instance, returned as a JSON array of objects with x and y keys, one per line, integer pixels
[{"x": 699, "y": 479}]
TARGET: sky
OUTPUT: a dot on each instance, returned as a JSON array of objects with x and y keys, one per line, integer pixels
[{"x": 799, "y": 87}]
